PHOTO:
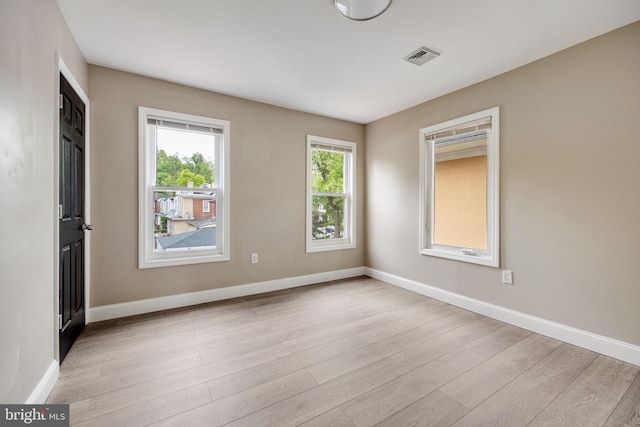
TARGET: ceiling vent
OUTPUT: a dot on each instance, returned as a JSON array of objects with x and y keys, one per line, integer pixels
[{"x": 421, "y": 55}]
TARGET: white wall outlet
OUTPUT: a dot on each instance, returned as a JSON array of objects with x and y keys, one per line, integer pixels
[
  {"x": 507, "y": 277},
  {"x": 254, "y": 258}
]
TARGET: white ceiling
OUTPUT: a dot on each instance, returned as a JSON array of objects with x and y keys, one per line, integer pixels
[{"x": 303, "y": 54}]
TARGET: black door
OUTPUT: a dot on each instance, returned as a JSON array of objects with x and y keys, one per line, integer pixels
[{"x": 71, "y": 214}]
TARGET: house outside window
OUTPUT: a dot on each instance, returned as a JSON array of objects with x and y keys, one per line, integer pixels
[
  {"x": 331, "y": 196},
  {"x": 184, "y": 181}
]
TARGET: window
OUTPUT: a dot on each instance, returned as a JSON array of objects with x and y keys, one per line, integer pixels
[
  {"x": 331, "y": 198},
  {"x": 459, "y": 188},
  {"x": 183, "y": 189}
]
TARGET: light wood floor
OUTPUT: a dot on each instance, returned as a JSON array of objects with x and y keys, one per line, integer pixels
[{"x": 351, "y": 353}]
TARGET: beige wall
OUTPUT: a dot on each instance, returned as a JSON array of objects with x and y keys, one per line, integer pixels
[
  {"x": 185, "y": 205},
  {"x": 179, "y": 227},
  {"x": 569, "y": 188},
  {"x": 31, "y": 33},
  {"x": 460, "y": 192},
  {"x": 267, "y": 189},
  {"x": 570, "y": 185}
]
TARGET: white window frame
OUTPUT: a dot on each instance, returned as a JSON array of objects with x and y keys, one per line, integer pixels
[
  {"x": 349, "y": 179},
  {"x": 147, "y": 256},
  {"x": 490, "y": 257},
  {"x": 208, "y": 208}
]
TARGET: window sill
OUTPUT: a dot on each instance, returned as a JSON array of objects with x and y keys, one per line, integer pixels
[
  {"x": 333, "y": 246},
  {"x": 186, "y": 260},
  {"x": 457, "y": 255}
]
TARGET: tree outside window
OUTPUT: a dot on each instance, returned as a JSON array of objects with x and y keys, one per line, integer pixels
[{"x": 330, "y": 210}]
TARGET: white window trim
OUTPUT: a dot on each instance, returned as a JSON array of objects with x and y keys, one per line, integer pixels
[
  {"x": 207, "y": 204},
  {"x": 490, "y": 257},
  {"x": 147, "y": 257},
  {"x": 349, "y": 241}
]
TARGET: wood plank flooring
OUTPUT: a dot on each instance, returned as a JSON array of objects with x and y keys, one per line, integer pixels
[{"x": 349, "y": 353}]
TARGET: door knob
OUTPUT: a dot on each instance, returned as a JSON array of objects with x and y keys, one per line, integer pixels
[{"x": 87, "y": 227}]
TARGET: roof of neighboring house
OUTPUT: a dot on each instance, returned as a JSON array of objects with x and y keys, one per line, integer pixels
[
  {"x": 188, "y": 195},
  {"x": 199, "y": 223},
  {"x": 211, "y": 197},
  {"x": 172, "y": 217},
  {"x": 197, "y": 193},
  {"x": 190, "y": 239}
]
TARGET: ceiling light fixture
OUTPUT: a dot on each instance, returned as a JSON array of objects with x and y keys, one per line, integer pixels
[{"x": 362, "y": 10}]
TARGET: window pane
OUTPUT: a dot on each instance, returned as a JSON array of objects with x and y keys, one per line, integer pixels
[
  {"x": 328, "y": 217},
  {"x": 327, "y": 171},
  {"x": 460, "y": 189},
  {"x": 181, "y": 221},
  {"x": 185, "y": 158}
]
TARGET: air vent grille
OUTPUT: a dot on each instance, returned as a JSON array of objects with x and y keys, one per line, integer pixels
[{"x": 421, "y": 55}]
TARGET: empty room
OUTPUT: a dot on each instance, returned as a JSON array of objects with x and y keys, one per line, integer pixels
[{"x": 320, "y": 213}]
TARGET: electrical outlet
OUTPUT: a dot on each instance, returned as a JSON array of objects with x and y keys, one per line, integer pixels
[
  {"x": 507, "y": 277},
  {"x": 254, "y": 258}
]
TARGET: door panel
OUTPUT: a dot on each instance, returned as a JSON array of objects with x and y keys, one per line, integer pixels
[
  {"x": 65, "y": 177},
  {"x": 78, "y": 179},
  {"x": 78, "y": 297},
  {"x": 65, "y": 282},
  {"x": 71, "y": 196}
]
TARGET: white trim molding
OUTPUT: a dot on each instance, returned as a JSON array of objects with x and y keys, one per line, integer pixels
[
  {"x": 621, "y": 350},
  {"x": 604, "y": 345},
  {"x": 148, "y": 255},
  {"x": 349, "y": 193},
  {"x": 114, "y": 311},
  {"x": 42, "y": 391},
  {"x": 62, "y": 68},
  {"x": 445, "y": 134}
]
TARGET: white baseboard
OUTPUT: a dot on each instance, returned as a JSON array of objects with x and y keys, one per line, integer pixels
[
  {"x": 600, "y": 344},
  {"x": 608, "y": 346},
  {"x": 42, "y": 391},
  {"x": 114, "y": 311}
]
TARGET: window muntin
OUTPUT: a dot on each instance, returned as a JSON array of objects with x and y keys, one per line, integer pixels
[
  {"x": 183, "y": 166},
  {"x": 330, "y": 194},
  {"x": 460, "y": 189}
]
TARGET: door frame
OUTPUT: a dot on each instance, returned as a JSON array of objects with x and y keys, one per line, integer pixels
[{"x": 61, "y": 68}]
